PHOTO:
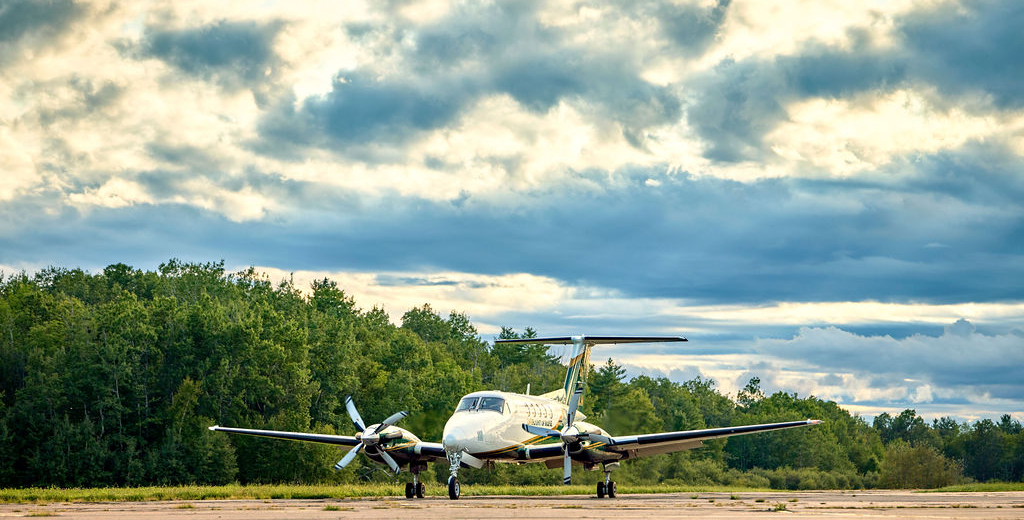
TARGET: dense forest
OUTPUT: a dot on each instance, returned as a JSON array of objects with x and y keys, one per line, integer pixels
[{"x": 112, "y": 378}]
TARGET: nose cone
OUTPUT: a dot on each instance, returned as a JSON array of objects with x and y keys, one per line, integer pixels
[{"x": 457, "y": 432}]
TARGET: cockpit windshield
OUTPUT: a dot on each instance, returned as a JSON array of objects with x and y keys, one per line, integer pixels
[
  {"x": 467, "y": 403},
  {"x": 496, "y": 404}
]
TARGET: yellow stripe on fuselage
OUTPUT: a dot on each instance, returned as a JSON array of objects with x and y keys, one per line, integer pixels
[{"x": 527, "y": 442}]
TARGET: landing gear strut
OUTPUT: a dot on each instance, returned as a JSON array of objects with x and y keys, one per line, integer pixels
[
  {"x": 415, "y": 488},
  {"x": 454, "y": 490}
]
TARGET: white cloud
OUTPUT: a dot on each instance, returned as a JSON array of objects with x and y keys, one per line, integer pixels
[
  {"x": 853, "y": 313},
  {"x": 474, "y": 294},
  {"x": 17, "y": 162},
  {"x": 847, "y": 136},
  {"x": 115, "y": 193},
  {"x": 768, "y": 29}
]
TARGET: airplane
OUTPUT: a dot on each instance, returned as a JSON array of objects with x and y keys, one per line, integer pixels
[{"x": 489, "y": 427}]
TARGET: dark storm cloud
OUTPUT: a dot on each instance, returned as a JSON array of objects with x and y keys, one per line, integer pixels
[
  {"x": 361, "y": 109},
  {"x": 974, "y": 47},
  {"x": 234, "y": 54},
  {"x": 19, "y": 18},
  {"x": 42, "y": 20},
  {"x": 690, "y": 27},
  {"x": 969, "y": 49},
  {"x": 738, "y": 103},
  {"x": 478, "y": 51},
  {"x": 702, "y": 239}
]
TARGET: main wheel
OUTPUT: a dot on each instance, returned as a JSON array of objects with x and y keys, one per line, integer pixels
[
  {"x": 612, "y": 488},
  {"x": 453, "y": 488},
  {"x": 600, "y": 490},
  {"x": 409, "y": 490},
  {"x": 420, "y": 488}
]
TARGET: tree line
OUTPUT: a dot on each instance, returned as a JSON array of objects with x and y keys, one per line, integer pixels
[{"x": 110, "y": 379}]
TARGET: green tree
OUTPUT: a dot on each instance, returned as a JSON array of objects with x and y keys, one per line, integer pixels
[{"x": 921, "y": 466}]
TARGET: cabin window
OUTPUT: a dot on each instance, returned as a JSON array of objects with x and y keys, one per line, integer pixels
[
  {"x": 467, "y": 403},
  {"x": 495, "y": 404}
]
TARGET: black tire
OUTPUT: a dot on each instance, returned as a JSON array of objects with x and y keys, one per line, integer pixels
[
  {"x": 409, "y": 490},
  {"x": 612, "y": 488},
  {"x": 600, "y": 490},
  {"x": 420, "y": 488},
  {"x": 453, "y": 488}
]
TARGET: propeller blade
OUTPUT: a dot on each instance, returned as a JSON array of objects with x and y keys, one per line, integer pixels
[
  {"x": 566, "y": 466},
  {"x": 391, "y": 420},
  {"x": 354, "y": 414},
  {"x": 574, "y": 402},
  {"x": 391, "y": 462},
  {"x": 348, "y": 457},
  {"x": 542, "y": 431}
]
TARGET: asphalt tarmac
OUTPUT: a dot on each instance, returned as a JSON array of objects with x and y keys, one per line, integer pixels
[{"x": 808, "y": 504}]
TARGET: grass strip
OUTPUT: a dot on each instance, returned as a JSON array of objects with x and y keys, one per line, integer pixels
[
  {"x": 314, "y": 491},
  {"x": 979, "y": 487}
]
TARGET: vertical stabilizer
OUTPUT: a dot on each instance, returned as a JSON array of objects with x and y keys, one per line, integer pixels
[{"x": 579, "y": 363}]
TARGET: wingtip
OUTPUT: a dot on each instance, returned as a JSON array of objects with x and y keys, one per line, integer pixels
[
  {"x": 213, "y": 428},
  {"x": 814, "y": 421}
]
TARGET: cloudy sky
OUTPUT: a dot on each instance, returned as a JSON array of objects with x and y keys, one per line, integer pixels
[{"x": 824, "y": 194}]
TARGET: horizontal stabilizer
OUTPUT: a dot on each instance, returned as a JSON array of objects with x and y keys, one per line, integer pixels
[{"x": 593, "y": 340}]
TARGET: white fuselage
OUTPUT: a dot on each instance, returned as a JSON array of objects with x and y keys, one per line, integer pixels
[{"x": 489, "y": 424}]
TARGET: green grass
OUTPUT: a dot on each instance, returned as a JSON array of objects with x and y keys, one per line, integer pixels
[
  {"x": 979, "y": 487},
  {"x": 285, "y": 491}
]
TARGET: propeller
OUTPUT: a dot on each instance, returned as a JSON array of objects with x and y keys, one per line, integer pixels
[
  {"x": 569, "y": 434},
  {"x": 370, "y": 438}
]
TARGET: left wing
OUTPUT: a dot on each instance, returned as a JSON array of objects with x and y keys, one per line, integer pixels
[{"x": 632, "y": 446}]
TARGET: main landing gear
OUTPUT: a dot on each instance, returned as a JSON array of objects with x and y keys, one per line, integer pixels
[
  {"x": 608, "y": 487},
  {"x": 415, "y": 488}
]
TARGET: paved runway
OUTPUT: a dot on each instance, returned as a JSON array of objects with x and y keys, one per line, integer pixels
[{"x": 809, "y": 504}]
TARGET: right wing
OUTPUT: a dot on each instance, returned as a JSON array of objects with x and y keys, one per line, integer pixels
[
  {"x": 633, "y": 446},
  {"x": 418, "y": 450}
]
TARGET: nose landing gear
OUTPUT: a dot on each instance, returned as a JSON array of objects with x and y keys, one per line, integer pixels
[{"x": 455, "y": 459}]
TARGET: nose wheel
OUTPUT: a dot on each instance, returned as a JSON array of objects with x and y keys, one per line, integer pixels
[{"x": 454, "y": 490}]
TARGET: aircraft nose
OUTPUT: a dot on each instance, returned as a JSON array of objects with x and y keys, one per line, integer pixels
[
  {"x": 453, "y": 439},
  {"x": 450, "y": 441},
  {"x": 455, "y": 435}
]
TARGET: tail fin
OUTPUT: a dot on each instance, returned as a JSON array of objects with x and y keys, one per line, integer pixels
[{"x": 579, "y": 363}]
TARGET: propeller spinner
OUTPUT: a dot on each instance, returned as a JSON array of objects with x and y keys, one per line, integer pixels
[{"x": 371, "y": 438}]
